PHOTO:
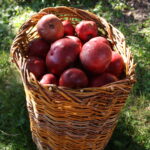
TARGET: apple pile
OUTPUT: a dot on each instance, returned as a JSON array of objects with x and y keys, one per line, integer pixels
[{"x": 72, "y": 56}]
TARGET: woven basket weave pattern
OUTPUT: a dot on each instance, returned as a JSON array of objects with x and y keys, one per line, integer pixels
[{"x": 72, "y": 119}]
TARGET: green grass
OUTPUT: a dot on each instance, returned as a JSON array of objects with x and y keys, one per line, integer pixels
[{"x": 133, "y": 130}]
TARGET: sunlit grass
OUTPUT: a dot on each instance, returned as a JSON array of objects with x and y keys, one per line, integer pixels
[{"x": 18, "y": 20}]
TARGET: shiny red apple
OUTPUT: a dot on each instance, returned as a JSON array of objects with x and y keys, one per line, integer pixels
[
  {"x": 38, "y": 47},
  {"x": 62, "y": 53},
  {"x": 116, "y": 65},
  {"x": 73, "y": 78},
  {"x": 68, "y": 28},
  {"x": 102, "y": 79},
  {"x": 95, "y": 56},
  {"x": 100, "y": 39},
  {"x": 86, "y": 30},
  {"x": 50, "y": 28},
  {"x": 36, "y": 66},
  {"x": 48, "y": 79},
  {"x": 76, "y": 39}
]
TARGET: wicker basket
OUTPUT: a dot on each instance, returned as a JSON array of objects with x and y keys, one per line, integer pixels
[{"x": 72, "y": 119}]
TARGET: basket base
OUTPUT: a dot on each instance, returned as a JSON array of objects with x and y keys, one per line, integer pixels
[{"x": 40, "y": 145}]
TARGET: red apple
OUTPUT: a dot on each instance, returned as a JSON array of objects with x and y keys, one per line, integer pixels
[
  {"x": 95, "y": 56},
  {"x": 100, "y": 39},
  {"x": 86, "y": 30},
  {"x": 50, "y": 28},
  {"x": 73, "y": 78},
  {"x": 116, "y": 65},
  {"x": 36, "y": 66},
  {"x": 102, "y": 79},
  {"x": 38, "y": 47},
  {"x": 68, "y": 28},
  {"x": 76, "y": 39},
  {"x": 48, "y": 79},
  {"x": 62, "y": 53}
]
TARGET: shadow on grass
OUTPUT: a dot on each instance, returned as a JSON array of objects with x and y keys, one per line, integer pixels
[
  {"x": 121, "y": 140},
  {"x": 14, "y": 124}
]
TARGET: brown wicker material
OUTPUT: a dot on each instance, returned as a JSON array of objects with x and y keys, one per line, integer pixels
[{"x": 72, "y": 119}]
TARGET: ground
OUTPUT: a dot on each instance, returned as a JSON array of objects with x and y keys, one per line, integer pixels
[{"x": 132, "y": 18}]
